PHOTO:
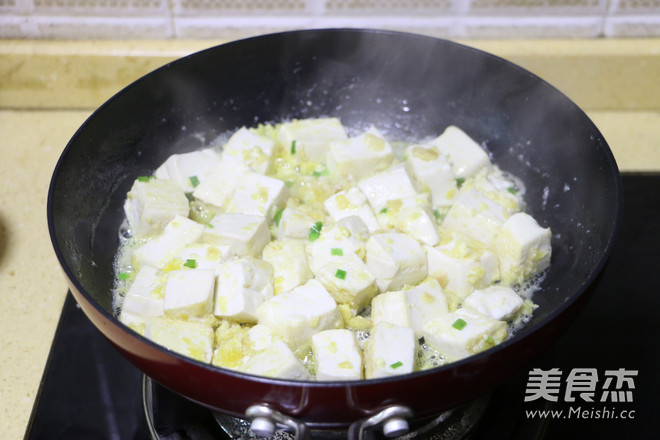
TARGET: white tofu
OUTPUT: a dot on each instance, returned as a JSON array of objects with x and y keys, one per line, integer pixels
[
  {"x": 312, "y": 136},
  {"x": 337, "y": 355},
  {"x": 395, "y": 259},
  {"x": 298, "y": 314},
  {"x": 360, "y": 156},
  {"x": 355, "y": 226},
  {"x": 178, "y": 233},
  {"x": 463, "y": 332},
  {"x": 499, "y": 188},
  {"x": 334, "y": 242},
  {"x": 475, "y": 215},
  {"x": 390, "y": 184},
  {"x": 188, "y": 169},
  {"x": 498, "y": 302},
  {"x": 412, "y": 216},
  {"x": 411, "y": 307},
  {"x": 461, "y": 265},
  {"x": 193, "y": 339},
  {"x": 257, "y": 194},
  {"x": 141, "y": 300},
  {"x": 250, "y": 148},
  {"x": 522, "y": 247},
  {"x": 277, "y": 360},
  {"x": 389, "y": 351},
  {"x": 431, "y": 172},
  {"x": 289, "y": 261},
  {"x": 465, "y": 155},
  {"x": 150, "y": 205},
  {"x": 351, "y": 202},
  {"x": 245, "y": 234},
  {"x": 260, "y": 337},
  {"x": 189, "y": 293},
  {"x": 242, "y": 285},
  {"x": 232, "y": 345},
  {"x": 294, "y": 224},
  {"x": 348, "y": 280},
  {"x": 220, "y": 182},
  {"x": 205, "y": 256}
]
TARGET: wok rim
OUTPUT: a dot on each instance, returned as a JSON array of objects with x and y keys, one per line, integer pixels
[{"x": 524, "y": 333}]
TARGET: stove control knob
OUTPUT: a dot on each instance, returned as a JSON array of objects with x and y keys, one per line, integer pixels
[
  {"x": 262, "y": 427},
  {"x": 395, "y": 427}
]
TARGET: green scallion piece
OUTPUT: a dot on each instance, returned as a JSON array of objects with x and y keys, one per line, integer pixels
[
  {"x": 383, "y": 211},
  {"x": 336, "y": 251},
  {"x": 436, "y": 214},
  {"x": 144, "y": 178},
  {"x": 396, "y": 365},
  {"x": 194, "y": 181},
  {"x": 341, "y": 274},
  {"x": 190, "y": 263},
  {"x": 321, "y": 172},
  {"x": 490, "y": 340},
  {"x": 293, "y": 146},
  {"x": 460, "y": 181},
  {"x": 315, "y": 231},
  {"x": 459, "y": 324},
  {"x": 512, "y": 190},
  {"x": 278, "y": 217},
  {"x": 123, "y": 276}
]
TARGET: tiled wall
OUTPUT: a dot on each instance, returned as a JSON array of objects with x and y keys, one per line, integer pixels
[{"x": 196, "y": 19}]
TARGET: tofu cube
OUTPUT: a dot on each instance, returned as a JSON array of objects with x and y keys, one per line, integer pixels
[
  {"x": 461, "y": 265},
  {"x": 188, "y": 169},
  {"x": 390, "y": 184},
  {"x": 431, "y": 172},
  {"x": 475, "y": 215},
  {"x": 189, "y": 293},
  {"x": 220, "y": 182},
  {"x": 289, "y": 261},
  {"x": 395, "y": 259},
  {"x": 465, "y": 155},
  {"x": 142, "y": 299},
  {"x": 312, "y": 136},
  {"x": 294, "y": 224},
  {"x": 159, "y": 251},
  {"x": 250, "y": 148},
  {"x": 241, "y": 286},
  {"x": 355, "y": 226},
  {"x": 337, "y": 355},
  {"x": 389, "y": 351},
  {"x": 498, "y": 302},
  {"x": 464, "y": 332},
  {"x": 232, "y": 348},
  {"x": 360, "y": 156},
  {"x": 351, "y": 202},
  {"x": 412, "y": 216},
  {"x": 348, "y": 280},
  {"x": 391, "y": 307},
  {"x": 257, "y": 194},
  {"x": 204, "y": 256},
  {"x": 298, "y": 314},
  {"x": 334, "y": 242},
  {"x": 245, "y": 234},
  {"x": 523, "y": 248},
  {"x": 150, "y": 205},
  {"x": 193, "y": 339},
  {"x": 277, "y": 360}
]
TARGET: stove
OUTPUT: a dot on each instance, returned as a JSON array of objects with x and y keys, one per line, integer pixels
[{"x": 600, "y": 380}]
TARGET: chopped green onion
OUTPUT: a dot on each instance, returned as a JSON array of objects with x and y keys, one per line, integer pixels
[
  {"x": 383, "y": 211},
  {"x": 341, "y": 274},
  {"x": 396, "y": 365},
  {"x": 293, "y": 147},
  {"x": 436, "y": 213},
  {"x": 459, "y": 324},
  {"x": 490, "y": 339},
  {"x": 336, "y": 251},
  {"x": 315, "y": 231},
  {"x": 321, "y": 172},
  {"x": 144, "y": 178},
  {"x": 460, "y": 181},
  {"x": 512, "y": 190},
  {"x": 123, "y": 275},
  {"x": 194, "y": 181},
  {"x": 190, "y": 263},
  {"x": 278, "y": 217}
]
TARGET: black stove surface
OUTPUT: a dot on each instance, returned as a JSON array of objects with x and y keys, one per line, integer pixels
[{"x": 89, "y": 391}]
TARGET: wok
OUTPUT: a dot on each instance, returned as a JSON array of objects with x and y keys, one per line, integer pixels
[{"x": 409, "y": 87}]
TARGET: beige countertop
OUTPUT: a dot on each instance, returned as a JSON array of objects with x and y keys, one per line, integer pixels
[{"x": 48, "y": 89}]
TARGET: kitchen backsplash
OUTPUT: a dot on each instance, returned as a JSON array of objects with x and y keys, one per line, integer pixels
[{"x": 199, "y": 19}]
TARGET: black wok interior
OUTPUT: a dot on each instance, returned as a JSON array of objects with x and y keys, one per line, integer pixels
[{"x": 408, "y": 86}]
